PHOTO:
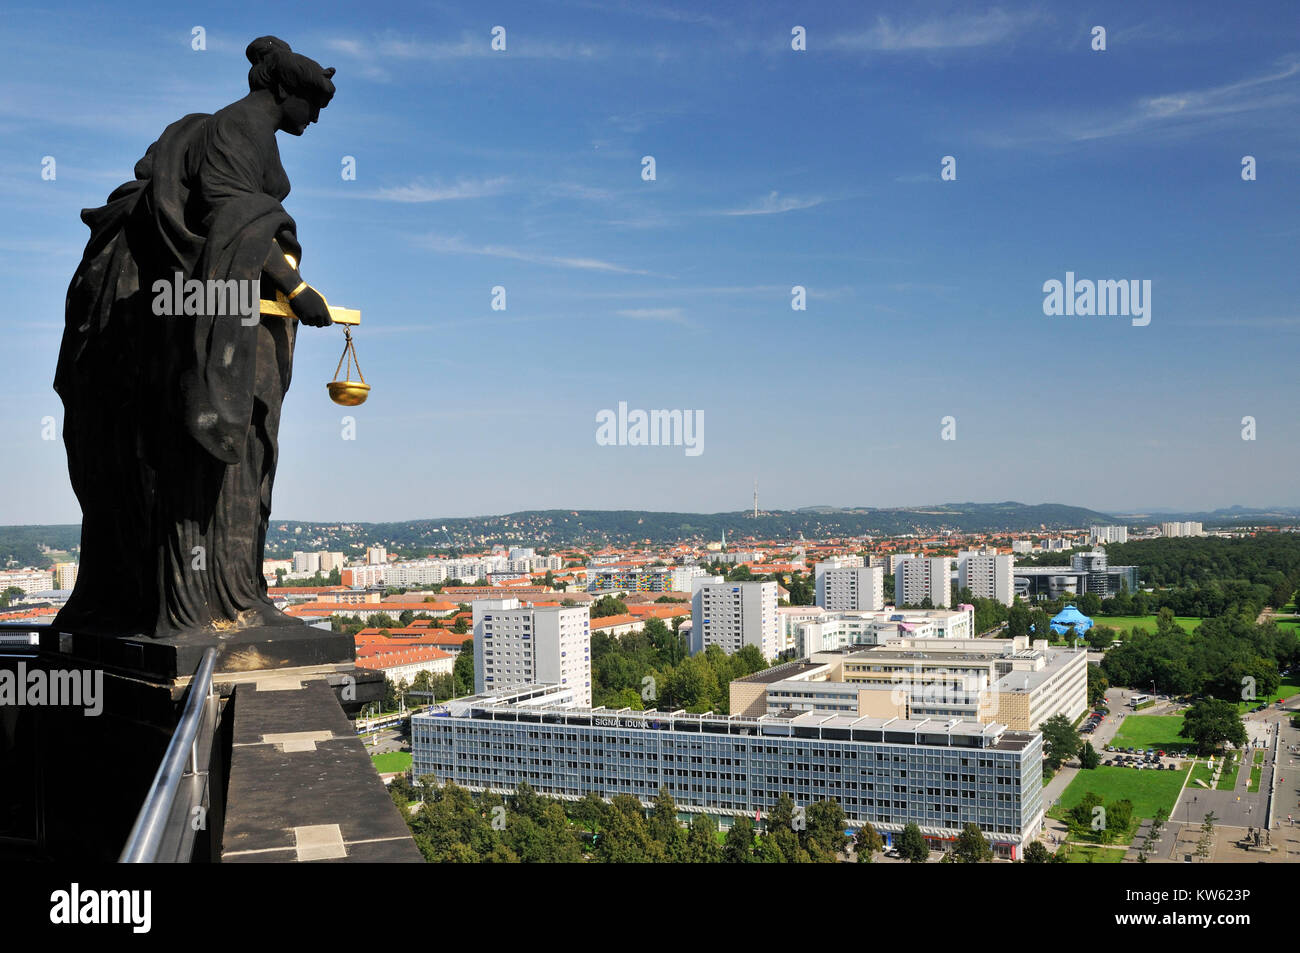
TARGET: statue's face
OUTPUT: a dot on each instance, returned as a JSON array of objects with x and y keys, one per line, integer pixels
[{"x": 297, "y": 113}]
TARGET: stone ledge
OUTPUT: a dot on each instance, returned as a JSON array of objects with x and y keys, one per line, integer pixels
[{"x": 288, "y": 803}]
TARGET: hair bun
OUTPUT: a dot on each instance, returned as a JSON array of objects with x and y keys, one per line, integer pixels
[{"x": 263, "y": 47}]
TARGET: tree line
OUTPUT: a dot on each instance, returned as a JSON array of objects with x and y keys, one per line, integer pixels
[
  {"x": 452, "y": 825},
  {"x": 1219, "y": 658}
]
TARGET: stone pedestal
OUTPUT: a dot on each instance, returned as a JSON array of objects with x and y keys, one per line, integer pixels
[{"x": 75, "y": 782}]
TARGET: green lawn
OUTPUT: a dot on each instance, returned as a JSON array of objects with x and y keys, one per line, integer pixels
[
  {"x": 392, "y": 761},
  {"x": 1201, "y": 772},
  {"x": 1290, "y": 686},
  {"x": 1148, "y": 790},
  {"x": 1125, "y": 623},
  {"x": 1151, "y": 731},
  {"x": 1256, "y": 775},
  {"x": 1228, "y": 777},
  {"x": 1087, "y": 854}
]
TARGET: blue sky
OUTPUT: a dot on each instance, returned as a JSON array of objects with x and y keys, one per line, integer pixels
[{"x": 774, "y": 168}]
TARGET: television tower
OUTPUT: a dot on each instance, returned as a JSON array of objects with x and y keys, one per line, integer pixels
[{"x": 755, "y": 497}]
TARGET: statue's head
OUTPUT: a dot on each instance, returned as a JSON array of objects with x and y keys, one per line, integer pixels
[{"x": 301, "y": 86}]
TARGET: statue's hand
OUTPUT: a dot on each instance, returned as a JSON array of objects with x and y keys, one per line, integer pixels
[{"x": 311, "y": 308}]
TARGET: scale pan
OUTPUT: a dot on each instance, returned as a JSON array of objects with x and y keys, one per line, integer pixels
[{"x": 348, "y": 393}]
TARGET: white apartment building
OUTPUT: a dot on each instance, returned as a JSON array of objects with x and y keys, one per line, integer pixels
[
  {"x": 377, "y": 555},
  {"x": 306, "y": 564},
  {"x": 917, "y": 578},
  {"x": 28, "y": 580},
  {"x": 895, "y": 559},
  {"x": 65, "y": 575},
  {"x": 790, "y": 618},
  {"x": 732, "y": 615},
  {"x": 850, "y": 589},
  {"x": 839, "y": 562},
  {"x": 1108, "y": 534},
  {"x": 1022, "y": 545},
  {"x": 987, "y": 576},
  {"x": 838, "y": 630},
  {"x": 516, "y": 644},
  {"x": 1186, "y": 528}
]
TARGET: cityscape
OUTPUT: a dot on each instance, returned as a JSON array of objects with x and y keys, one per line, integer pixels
[{"x": 847, "y": 435}]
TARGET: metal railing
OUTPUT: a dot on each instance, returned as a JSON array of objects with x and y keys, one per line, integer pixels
[{"x": 176, "y": 808}]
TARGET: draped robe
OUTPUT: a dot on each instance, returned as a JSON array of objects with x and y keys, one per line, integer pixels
[{"x": 171, "y": 422}]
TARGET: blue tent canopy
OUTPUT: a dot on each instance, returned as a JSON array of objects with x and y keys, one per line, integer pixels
[{"x": 1070, "y": 616}]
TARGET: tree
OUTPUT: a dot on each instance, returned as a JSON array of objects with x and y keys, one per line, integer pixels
[
  {"x": 1037, "y": 853},
  {"x": 1083, "y": 813},
  {"x": 738, "y": 848},
  {"x": 626, "y": 837},
  {"x": 1097, "y": 685},
  {"x": 607, "y": 606},
  {"x": 702, "y": 842},
  {"x": 1017, "y": 620},
  {"x": 971, "y": 846},
  {"x": 590, "y": 811},
  {"x": 1205, "y": 845},
  {"x": 1088, "y": 757},
  {"x": 912, "y": 845},
  {"x": 1060, "y": 742},
  {"x": 1211, "y": 722},
  {"x": 1100, "y": 637},
  {"x": 867, "y": 842},
  {"x": 462, "y": 671},
  {"x": 664, "y": 827},
  {"x": 824, "y": 836}
]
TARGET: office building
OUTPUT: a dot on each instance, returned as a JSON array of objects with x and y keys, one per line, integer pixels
[
  {"x": 939, "y": 774},
  {"x": 1009, "y": 681},
  {"x": 839, "y": 630},
  {"x": 517, "y": 644},
  {"x": 1087, "y": 572}
]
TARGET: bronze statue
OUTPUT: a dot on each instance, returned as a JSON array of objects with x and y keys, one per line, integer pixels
[{"x": 171, "y": 420}]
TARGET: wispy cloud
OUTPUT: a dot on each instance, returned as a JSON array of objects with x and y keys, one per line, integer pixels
[
  {"x": 417, "y": 192},
  {"x": 1274, "y": 90},
  {"x": 670, "y": 315},
  {"x": 377, "y": 50},
  {"x": 774, "y": 204},
  {"x": 454, "y": 245},
  {"x": 946, "y": 33}
]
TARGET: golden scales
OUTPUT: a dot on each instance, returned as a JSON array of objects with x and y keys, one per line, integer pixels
[{"x": 347, "y": 392}]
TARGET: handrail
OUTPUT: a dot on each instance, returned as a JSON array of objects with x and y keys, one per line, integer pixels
[{"x": 156, "y": 826}]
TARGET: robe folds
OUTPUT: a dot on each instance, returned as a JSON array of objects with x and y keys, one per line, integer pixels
[{"x": 171, "y": 421}]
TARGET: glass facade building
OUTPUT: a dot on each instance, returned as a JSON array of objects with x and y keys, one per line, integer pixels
[{"x": 938, "y": 774}]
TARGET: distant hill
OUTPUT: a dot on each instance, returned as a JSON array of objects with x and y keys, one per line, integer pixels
[
  {"x": 25, "y": 545},
  {"x": 557, "y": 528}
]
